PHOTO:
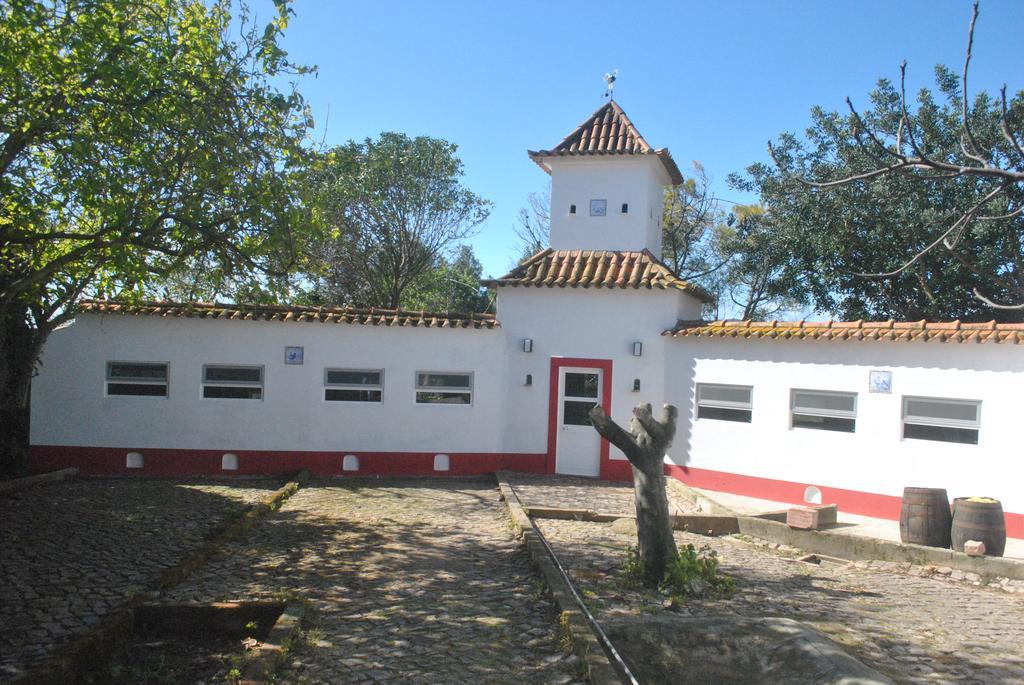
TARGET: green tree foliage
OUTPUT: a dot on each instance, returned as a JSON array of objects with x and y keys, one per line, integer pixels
[
  {"x": 729, "y": 254},
  {"x": 692, "y": 228},
  {"x": 451, "y": 286},
  {"x": 395, "y": 207},
  {"x": 756, "y": 279},
  {"x": 136, "y": 138},
  {"x": 691, "y": 572},
  {"x": 941, "y": 225}
]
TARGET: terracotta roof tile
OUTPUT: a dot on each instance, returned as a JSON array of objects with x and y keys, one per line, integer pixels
[
  {"x": 608, "y": 131},
  {"x": 597, "y": 269},
  {"x": 247, "y": 312},
  {"x": 921, "y": 331}
]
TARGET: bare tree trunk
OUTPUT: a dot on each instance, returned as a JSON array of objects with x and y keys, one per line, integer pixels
[{"x": 645, "y": 445}]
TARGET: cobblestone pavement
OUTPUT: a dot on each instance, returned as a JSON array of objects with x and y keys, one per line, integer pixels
[
  {"x": 417, "y": 581},
  {"x": 569, "y": 492},
  {"x": 915, "y": 629},
  {"x": 73, "y": 551}
]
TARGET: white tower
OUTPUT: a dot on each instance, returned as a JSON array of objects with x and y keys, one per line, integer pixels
[{"x": 607, "y": 186}]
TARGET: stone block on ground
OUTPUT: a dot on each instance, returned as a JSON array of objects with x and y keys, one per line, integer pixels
[
  {"x": 812, "y": 517},
  {"x": 974, "y": 548},
  {"x": 828, "y": 514},
  {"x": 803, "y": 518}
]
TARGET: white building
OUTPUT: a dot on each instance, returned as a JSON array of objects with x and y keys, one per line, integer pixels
[{"x": 775, "y": 410}]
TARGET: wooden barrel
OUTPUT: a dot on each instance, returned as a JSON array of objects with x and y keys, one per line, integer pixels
[
  {"x": 979, "y": 521},
  {"x": 925, "y": 517}
]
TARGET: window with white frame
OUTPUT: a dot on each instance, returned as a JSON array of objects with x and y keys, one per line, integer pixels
[
  {"x": 140, "y": 379},
  {"x": 441, "y": 387},
  {"x": 222, "y": 381},
  {"x": 944, "y": 420},
  {"x": 724, "y": 402},
  {"x": 824, "y": 410},
  {"x": 353, "y": 385}
]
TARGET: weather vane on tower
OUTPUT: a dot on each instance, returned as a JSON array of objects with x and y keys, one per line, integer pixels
[{"x": 610, "y": 80}]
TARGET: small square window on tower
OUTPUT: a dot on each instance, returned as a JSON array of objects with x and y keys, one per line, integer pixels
[
  {"x": 625, "y": 208},
  {"x": 572, "y": 209}
]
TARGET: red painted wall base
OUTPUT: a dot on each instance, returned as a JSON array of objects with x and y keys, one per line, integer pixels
[
  {"x": 851, "y": 501},
  {"x": 111, "y": 461}
]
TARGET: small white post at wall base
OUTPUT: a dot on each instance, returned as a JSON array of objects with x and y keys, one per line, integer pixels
[{"x": 812, "y": 495}]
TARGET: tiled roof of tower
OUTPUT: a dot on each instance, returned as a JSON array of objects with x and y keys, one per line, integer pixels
[
  {"x": 597, "y": 269},
  {"x": 248, "y": 312},
  {"x": 608, "y": 131},
  {"x": 922, "y": 331}
]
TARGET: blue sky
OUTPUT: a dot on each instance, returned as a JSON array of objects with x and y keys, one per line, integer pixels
[{"x": 712, "y": 81}]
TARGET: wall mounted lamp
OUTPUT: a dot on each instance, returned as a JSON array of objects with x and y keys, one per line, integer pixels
[
  {"x": 638, "y": 348},
  {"x": 527, "y": 344}
]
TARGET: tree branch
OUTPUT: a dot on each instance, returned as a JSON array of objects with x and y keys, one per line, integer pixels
[
  {"x": 959, "y": 224},
  {"x": 642, "y": 414},
  {"x": 871, "y": 134},
  {"x": 1004, "y": 125},
  {"x": 996, "y": 305},
  {"x": 964, "y": 123},
  {"x": 616, "y": 435}
]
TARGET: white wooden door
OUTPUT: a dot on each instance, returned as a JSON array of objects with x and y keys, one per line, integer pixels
[{"x": 578, "y": 446}]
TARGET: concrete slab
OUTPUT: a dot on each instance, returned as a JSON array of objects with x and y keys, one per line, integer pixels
[
  {"x": 686, "y": 651},
  {"x": 849, "y": 524}
]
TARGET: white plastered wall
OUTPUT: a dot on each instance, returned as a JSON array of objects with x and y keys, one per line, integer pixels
[
  {"x": 586, "y": 323},
  {"x": 69, "y": 406},
  {"x": 875, "y": 458},
  {"x": 638, "y": 181}
]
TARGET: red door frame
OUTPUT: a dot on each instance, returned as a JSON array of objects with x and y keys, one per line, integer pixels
[{"x": 606, "y": 403}]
